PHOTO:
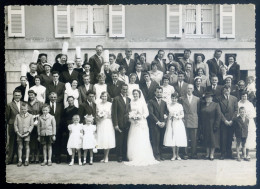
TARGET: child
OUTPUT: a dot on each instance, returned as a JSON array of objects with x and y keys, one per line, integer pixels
[
  {"x": 241, "y": 131},
  {"x": 89, "y": 140},
  {"x": 23, "y": 126},
  {"x": 75, "y": 139},
  {"x": 46, "y": 133}
]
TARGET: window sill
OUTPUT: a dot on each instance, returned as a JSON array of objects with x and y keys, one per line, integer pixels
[
  {"x": 77, "y": 36},
  {"x": 199, "y": 37}
]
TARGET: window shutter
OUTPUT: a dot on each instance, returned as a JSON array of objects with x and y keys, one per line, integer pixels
[
  {"x": 116, "y": 21},
  {"x": 62, "y": 21},
  {"x": 174, "y": 21},
  {"x": 227, "y": 21},
  {"x": 16, "y": 22}
]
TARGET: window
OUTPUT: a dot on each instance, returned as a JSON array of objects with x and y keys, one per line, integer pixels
[
  {"x": 89, "y": 21},
  {"x": 198, "y": 20},
  {"x": 16, "y": 21},
  {"x": 62, "y": 21}
]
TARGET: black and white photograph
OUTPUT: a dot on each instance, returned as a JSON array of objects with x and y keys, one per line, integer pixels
[{"x": 130, "y": 94}]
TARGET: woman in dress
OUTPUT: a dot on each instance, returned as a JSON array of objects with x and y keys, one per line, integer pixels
[
  {"x": 172, "y": 73},
  {"x": 200, "y": 64},
  {"x": 251, "y": 114},
  {"x": 222, "y": 74},
  {"x": 156, "y": 74},
  {"x": 122, "y": 76},
  {"x": 72, "y": 91},
  {"x": 168, "y": 90},
  {"x": 105, "y": 129},
  {"x": 100, "y": 87},
  {"x": 204, "y": 79},
  {"x": 46, "y": 77},
  {"x": 233, "y": 68},
  {"x": 175, "y": 134},
  {"x": 233, "y": 88},
  {"x": 210, "y": 116},
  {"x": 39, "y": 89},
  {"x": 173, "y": 62},
  {"x": 113, "y": 65},
  {"x": 139, "y": 149},
  {"x": 34, "y": 108},
  {"x": 145, "y": 65},
  {"x": 60, "y": 63}
]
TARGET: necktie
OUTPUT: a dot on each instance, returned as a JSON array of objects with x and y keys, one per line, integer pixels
[{"x": 55, "y": 84}]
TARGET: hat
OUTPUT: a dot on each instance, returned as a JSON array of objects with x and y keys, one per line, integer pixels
[
  {"x": 78, "y": 53},
  {"x": 65, "y": 47},
  {"x": 224, "y": 66},
  {"x": 89, "y": 117},
  {"x": 35, "y": 56},
  {"x": 32, "y": 91},
  {"x": 70, "y": 62},
  {"x": 228, "y": 76},
  {"x": 197, "y": 77},
  {"x": 47, "y": 64},
  {"x": 208, "y": 94},
  {"x": 106, "y": 56}
]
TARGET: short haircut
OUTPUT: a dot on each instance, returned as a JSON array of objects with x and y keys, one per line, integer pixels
[
  {"x": 112, "y": 55},
  {"x": 121, "y": 68},
  {"x": 142, "y": 54},
  {"x": 23, "y": 77},
  {"x": 240, "y": 82},
  {"x": 170, "y": 65},
  {"x": 165, "y": 77},
  {"x": 234, "y": 57},
  {"x": 218, "y": 50},
  {"x": 86, "y": 64},
  {"x": 53, "y": 93},
  {"x": 32, "y": 92},
  {"x": 139, "y": 92},
  {"x": 146, "y": 73},
  {"x": 32, "y": 63},
  {"x": 132, "y": 75},
  {"x": 70, "y": 97},
  {"x": 101, "y": 75},
  {"x": 160, "y": 50},
  {"x": 187, "y": 50},
  {"x": 199, "y": 70},
  {"x": 45, "y": 106},
  {"x": 55, "y": 72},
  {"x": 190, "y": 85},
  {"x": 24, "y": 105},
  {"x": 17, "y": 91},
  {"x": 214, "y": 75},
  {"x": 99, "y": 46},
  {"x": 244, "y": 93},
  {"x": 124, "y": 85},
  {"x": 241, "y": 108},
  {"x": 138, "y": 64},
  {"x": 90, "y": 92},
  {"x": 76, "y": 115},
  {"x": 115, "y": 72},
  {"x": 37, "y": 77},
  {"x": 226, "y": 87},
  {"x": 170, "y": 54},
  {"x": 158, "y": 88},
  {"x": 128, "y": 50},
  {"x": 181, "y": 72},
  {"x": 104, "y": 92},
  {"x": 175, "y": 95},
  {"x": 85, "y": 75},
  {"x": 154, "y": 64}
]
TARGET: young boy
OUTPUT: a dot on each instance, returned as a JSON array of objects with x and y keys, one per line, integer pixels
[
  {"x": 23, "y": 126},
  {"x": 241, "y": 131},
  {"x": 46, "y": 133}
]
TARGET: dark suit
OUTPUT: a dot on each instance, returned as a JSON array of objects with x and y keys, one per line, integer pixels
[
  {"x": 82, "y": 93},
  {"x": 114, "y": 90},
  {"x": 217, "y": 92},
  {"x": 66, "y": 77},
  {"x": 80, "y": 70},
  {"x": 30, "y": 79},
  {"x": 59, "y": 89},
  {"x": 59, "y": 67},
  {"x": 57, "y": 115},
  {"x": 141, "y": 79},
  {"x": 241, "y": 127},
  {"x": 199, "y": 92},
  {"x": 120, "y": 118},
  {"x": 148, "y": 93},
  {"x": 156, "y": 113},
  {"x": 229, "y": 109},
  {"x": 129, "y": 68},
  {"x": 189, "y": 78},
  {"x": 181, "y": 91},
  {"x": 91, "y": 77},
  {"x": 235, "y": 71},
  {"x": 183, "y": 62},
  {"x": 96, "y": 65},
  {"x": 22, "y": 89},
  {"x": 45, "y": 80},
  {"x": 86, "y": 109},
  {"x": 160, "y": 67},
  {"x": 10, "y": 113},
  {"x": 214, "y": 67}
]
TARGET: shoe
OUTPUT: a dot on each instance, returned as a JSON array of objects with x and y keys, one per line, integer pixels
[
  {"x": 90, "y": 163},
  {"x": 221, "y": 158},
  {"x": 19, "y": 164},
  {"x": 185, "y": 157},
  {"x": 71, "y": 163},
  {"x": 103, "y": 161},
  {"x": 179, "y": 158},
  {"x": 119, "y": 160},
  {"x": 211, "y": 159},
  {"x": 194, "y": 157},
  {"x": 37, "y": 162},
  {"x": 158, "y": 159},
  {"x": 80, "y": 163},
  {"x": 49, "y": 163},
  {"x": 247, "y": 159},
  {"x": 58, "y": 161},
  {"x": 162, "y": 159},
  {"x": 44, "y": 163},
  {"x": 32, "y": 161},
  {"x": 238, "y": 159},
  {"x": 26, "y": 163},
  {"x": 84, "y": 162},
  {"x": 173, "y": 159}
]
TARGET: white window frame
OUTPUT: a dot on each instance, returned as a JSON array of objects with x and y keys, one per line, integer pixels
[
  {"x": 198, "y": 23},
  {"x": 232, "y": 14},
  {"x": 168, "y": 14},
  {"x": 119, "y": 13},
  {"x": 90, "y": 21},
  {"x": 10, "y": 12},
  {"x": 56, "y": 13}
]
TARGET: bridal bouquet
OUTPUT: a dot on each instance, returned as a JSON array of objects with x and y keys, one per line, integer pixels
[
  {"x": 175, "y": 115},
  {"x": 102, "y": 114},
  {"x": 135, "y": 115}
]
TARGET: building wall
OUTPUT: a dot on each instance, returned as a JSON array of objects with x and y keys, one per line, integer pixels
[{"x": 145, "y": 32}]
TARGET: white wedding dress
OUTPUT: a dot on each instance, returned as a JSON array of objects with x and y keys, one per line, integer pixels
[{"x": 139, "y": 149}]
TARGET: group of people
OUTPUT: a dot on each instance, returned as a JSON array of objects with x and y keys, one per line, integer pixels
[{"x": 133, "y": 106}]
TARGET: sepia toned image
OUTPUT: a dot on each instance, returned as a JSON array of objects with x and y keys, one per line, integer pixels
[{"x": 116, "y": 94}]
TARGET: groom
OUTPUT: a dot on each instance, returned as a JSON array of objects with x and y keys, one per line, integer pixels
[
  {"x": 120, "y": 111},
  {"x": 157, "y": 114}
]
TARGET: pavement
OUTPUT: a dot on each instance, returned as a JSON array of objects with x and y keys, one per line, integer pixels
[{"x": 192, "y": 172}]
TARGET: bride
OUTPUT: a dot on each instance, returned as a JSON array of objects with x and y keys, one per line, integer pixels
[{"x": 139, "y": 149}]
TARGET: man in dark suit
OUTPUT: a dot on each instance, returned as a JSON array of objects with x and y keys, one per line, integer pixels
[
  {"x": 96, "y": 62},
  {"x": 180, "y": 86},
  {"x": 148, "y": 87},
  {"x": 229, "y": 108},
  {"x": 86, "y": 72},
  {"x": 120, "y": 119},
  {"x": 161, "y": 64},
  {"x": 88, "y": 107},
  {"x": 215, "y": 63},
  {"x": 57, "y": 87},
  {"x": 214, "y": 88},
  {"x": 128, "y": 62},
  {"x": 22, "y": 87},
  {"x": 12, "y": 109},
  {"x": 56, "y": 109},
  {"x": 69, "y": 75},
  {"x": 189, "y": 76},
  {"x": 157, "y": 114},
  {"x": 108, "y": 73},
  {"x": 186, "y": 59},
  {"x": 84, "y": 88},
  {"x": 114, "y": 89},
  {"x": 139, "y": 74}
]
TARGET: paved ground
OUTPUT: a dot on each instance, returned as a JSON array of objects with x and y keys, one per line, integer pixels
[{"x": 205, "y": 172}]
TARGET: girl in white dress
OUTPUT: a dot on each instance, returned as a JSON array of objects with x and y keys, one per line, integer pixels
[
  {"x": 100, "y": 86},
  {"x": 105, "y": 129},
  {"x": 139, "y": 149},
  {"x": 251, "y": 114},
  {"x": 71, "y": 90},
  {"x": 175, "y": 134},
  {"x": 122, "y": 76},
  {"x": 39, "y": 89},
  {"x": 75, "y": 139},
  {"x": 167, "y": 89},
  {"x": 89, "y": 138}
]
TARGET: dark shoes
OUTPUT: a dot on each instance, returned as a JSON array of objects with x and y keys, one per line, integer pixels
[
  {"x": 19, "y": 164},
  {"x": 185, "y": 157},
  {"x": 44, "y": 163},
  {"x": 194, "y": 157},
  {"x": 162, "y": 159},
  {"x": 221, "y": 158},
  {"x": 26, "y": 163},
  {"x": 119, "y": 160},
  {"x": 58, "y": 161}
]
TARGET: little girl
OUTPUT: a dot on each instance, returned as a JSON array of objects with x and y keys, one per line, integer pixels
[
  {"x": 89, "y": 139},
  {"x": 75, "y": 139}
]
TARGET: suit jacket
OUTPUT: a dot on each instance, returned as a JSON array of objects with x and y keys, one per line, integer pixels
[
  {"x": 10, "y": 112},
  {"x": 22, "y": 89},
  {"x": 30, "y": 79},
  {"x": 141, "y": 80},
  {"x": 191, "y": 111},
  {"x": 241, "y": 127},
  {"x": 91, "y": 76},
  {"x": 217, "y": 92},
  {"x": 45, "y": 80},
  {"x": 129, "y": 68},
  {"x": 199, "y": 93},
  {"x": 120, "y": 112},
  {"x": 96, "y": 65},
  {"x": 189, "y": 79},
  {"x": 80, "y": 70},
  {"x": 85, "y": 109},
  {"x": 181, "y": 91},
  {"x": 235, "y": 71},
  {"x": 229, "y": 108},
  {"x": 108, "y": 77},
  {"x": 65, "y": 77},
  {"x": 160, "y": 67},
  {"x": 183, "y": 62},
  {"x": 148, "y": 93},
  {"x": 114, "y": 90},
  {"x": 214, "y": 67},
  {"x": 82, "y": 93},
  {"x": 57, "y": 114},
  {"x": 59, "y": 89},
  {"x": 156, "y": 111}
]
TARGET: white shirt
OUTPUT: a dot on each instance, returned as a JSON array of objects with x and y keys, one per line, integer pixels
[
  {"x": 148, "y": 84},
  {"x": 18, "y": 105},
  {"x": 70, "y": 71},
  {"x": 99, "y": 58},
  {"x": 189, "y": 98},
  {"x": 217, "y": 60},
  {"x": 53, "y": 105},
  {"x": 90, "y": 103},
  {"x": 161, "y": 62},
  {"x": 139, "y": 75},
  {"x": 214, "y": 87},
  {"x": 87, "y": 87},
  {"x": 230, "y": 66},
  {"x": 124, "y": 97},
  {"x": 180, "y": 84},
  {"x": 127, "y": 61}
]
